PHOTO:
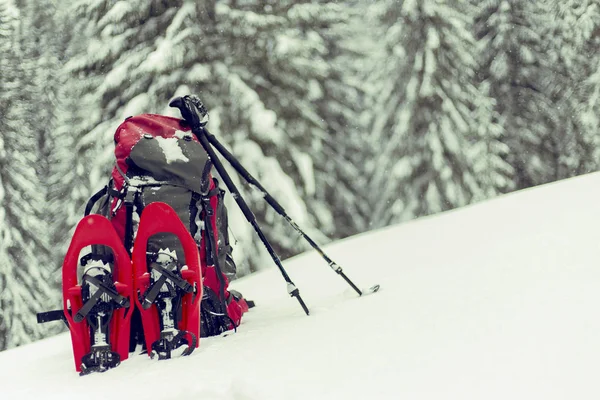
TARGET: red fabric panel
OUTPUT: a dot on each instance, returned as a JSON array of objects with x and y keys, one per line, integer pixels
[{"x": 235, "y": 312}]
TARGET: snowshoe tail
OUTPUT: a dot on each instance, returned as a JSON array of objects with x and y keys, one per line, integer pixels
[
  {"x": 167, "y": 293},
  {"x": 97, "y": 309}
]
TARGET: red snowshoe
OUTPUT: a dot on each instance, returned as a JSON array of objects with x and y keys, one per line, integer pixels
[
  {"x": 97, "y": 307},
  {"x": 168, "y": 293}
]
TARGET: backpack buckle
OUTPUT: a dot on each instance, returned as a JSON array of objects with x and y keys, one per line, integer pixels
[{"x": 131, "y": 193}]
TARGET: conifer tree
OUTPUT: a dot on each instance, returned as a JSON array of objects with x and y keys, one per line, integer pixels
[
  {"x": 428, "y": 113},
  {"x": 43, "y": 47},
  {"x": 341, "y": 176},
  {"x": 67, "y": 180},
  {"x": 576, "y": 85},
  {"x": 24, "y": 273},
  {"x": 516, "y": 65}
]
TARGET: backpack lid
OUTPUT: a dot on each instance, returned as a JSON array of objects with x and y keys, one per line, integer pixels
[{"x": 157, "y": 148}]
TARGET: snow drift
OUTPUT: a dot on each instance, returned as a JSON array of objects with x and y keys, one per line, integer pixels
[{"x": 498, "y": 300}]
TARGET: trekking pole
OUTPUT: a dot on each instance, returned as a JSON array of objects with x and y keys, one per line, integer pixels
[
  {"x": 195, "y": 114},
  {"x": 281, "y": 211}
]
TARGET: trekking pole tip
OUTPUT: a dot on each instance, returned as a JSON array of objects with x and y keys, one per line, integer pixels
[{"x": 294, "y": 292}]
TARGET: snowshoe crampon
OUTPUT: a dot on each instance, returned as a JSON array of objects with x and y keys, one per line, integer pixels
[
  {"x": 167, "y": 293},
  {"x": 97, "y": 309}
]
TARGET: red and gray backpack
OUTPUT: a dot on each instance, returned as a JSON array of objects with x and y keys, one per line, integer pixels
[{"x": 159, "y": 159}]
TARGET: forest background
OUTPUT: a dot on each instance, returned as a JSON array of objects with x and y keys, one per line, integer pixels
[{"x": 353, "y": 114}]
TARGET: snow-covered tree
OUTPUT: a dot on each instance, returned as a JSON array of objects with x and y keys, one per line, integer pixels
[
  {"x": 429, "y": 113},
  {"x": 576, "y": 85},
  {"x": 516, "y": 65},
  {"x": 488, "y": 151},
  {"x": 43, "y": 47},
  {"x": 341, "y": 176},
  {"x": 66, "y": 178},
  {"x": 260, "y": 67},
  {"x": 24, "y": 269}
]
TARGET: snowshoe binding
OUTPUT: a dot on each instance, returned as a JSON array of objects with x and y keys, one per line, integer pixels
[
  {"x": 166, "y": 289},
  {"x": 97, "y": 307},
  {"x": 168, "y": 293},
  {"x": 100, "y": 299}
]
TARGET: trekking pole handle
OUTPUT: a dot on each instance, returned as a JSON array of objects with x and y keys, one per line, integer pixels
[{"x": 192, "y": 110}]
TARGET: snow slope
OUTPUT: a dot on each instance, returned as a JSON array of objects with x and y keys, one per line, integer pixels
[{"x": 499, "y": 300}]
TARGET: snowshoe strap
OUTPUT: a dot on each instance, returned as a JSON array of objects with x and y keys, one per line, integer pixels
[
  {"x": 87, "y": 307},
  {"x": 214, "y": 324},
  {"x": 112, "y": 293},
  {"x": 176, "y": 279},
  {"x": 102, "y": 289},
  {"x": 152, "y": 292}
]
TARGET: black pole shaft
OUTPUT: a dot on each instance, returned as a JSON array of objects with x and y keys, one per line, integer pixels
[
  {"x": 202, "y": 134},
  {"x": 276, "y": 206}
]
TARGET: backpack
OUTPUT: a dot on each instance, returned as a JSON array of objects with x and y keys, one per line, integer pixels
[{"x": 159, "y": 159}]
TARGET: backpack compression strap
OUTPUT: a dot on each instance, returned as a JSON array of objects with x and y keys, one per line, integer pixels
[{"x": 101, "y": 193}]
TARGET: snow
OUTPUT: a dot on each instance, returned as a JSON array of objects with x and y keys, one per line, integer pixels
[
  {"x": 262, "y": 120},
  {"x": 171, "y": 149},
  {"x": 118, "y": 12},
  {"x": 497, "y": 300},
  {"x": 181, "y": 134},
  {"x": 304, "y": 164},
  {"x": 199, "y": 73}
]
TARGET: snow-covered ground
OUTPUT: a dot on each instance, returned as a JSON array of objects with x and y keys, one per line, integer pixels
[{"x": 500, "y": 300}]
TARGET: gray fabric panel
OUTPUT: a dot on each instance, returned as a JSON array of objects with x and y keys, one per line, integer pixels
[{"x": 149, "y": 155}]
